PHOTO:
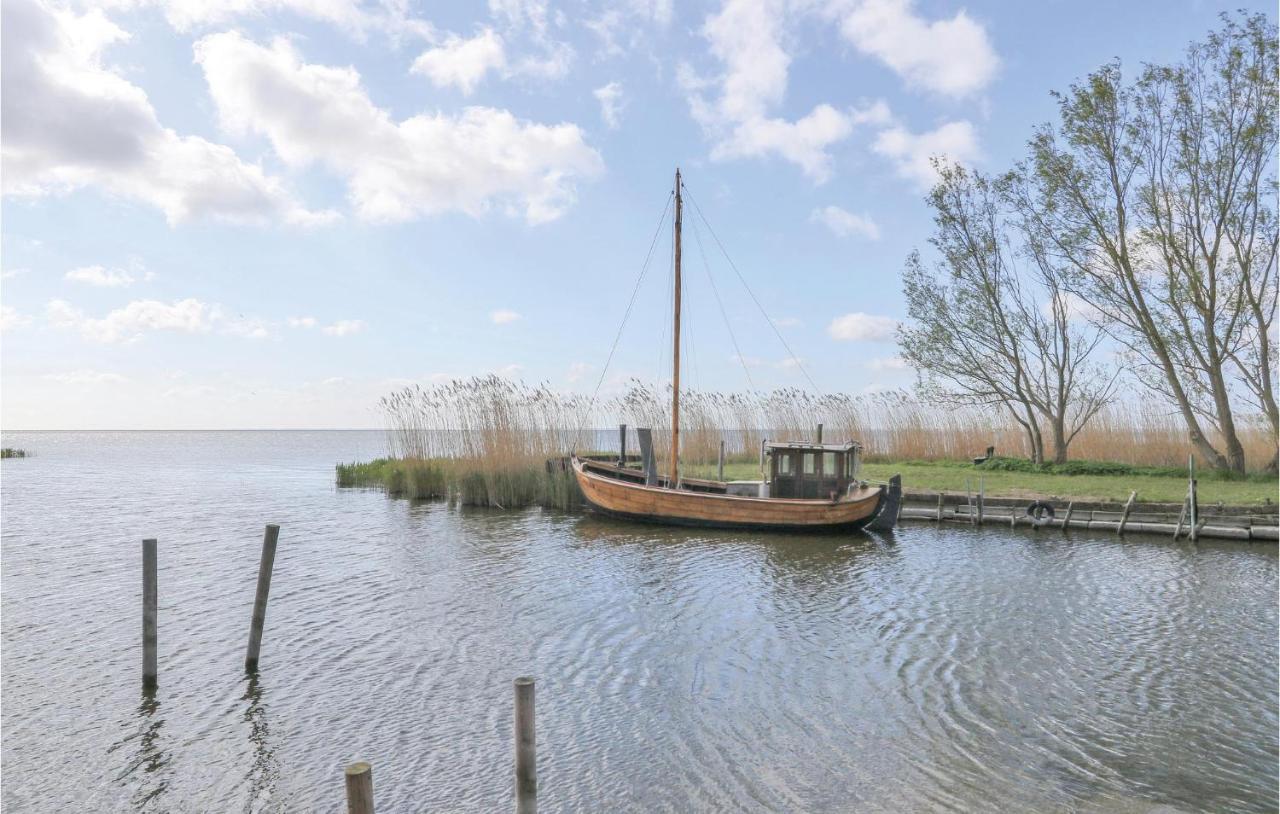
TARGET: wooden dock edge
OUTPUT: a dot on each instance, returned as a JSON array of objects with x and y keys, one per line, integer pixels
[{"x": 1216, "y": 521}]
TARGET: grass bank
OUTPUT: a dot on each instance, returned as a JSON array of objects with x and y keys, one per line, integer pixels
[
  {"x": 465, "y": 482},
  {"x": 1078, "y": 480}
]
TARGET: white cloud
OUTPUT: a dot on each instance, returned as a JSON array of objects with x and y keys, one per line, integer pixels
[
  {"x": 460, "y": 62},
  {"x": 352, "y": 16},
  {"x": 70, "y": 122},
  {"x": 843, "y": 223},
  {"x": 912, "y": 153},
  {"x": 344, "y": 327},
  {"x": 102, "y": 277},
  {"x": 952, "y": 56},
  {"x": 9, "y": 274},
  {"x": 395, "y": 171},
  {"x": 503, "y": 316},
  {"x": 251, "y": 328},
  {"x": 888, "y": 363},
  {"x": 746, "y": 36},
  {"x": 301, "y": 322},
  {"x": 86, "y": 377},
  {"x": 611, "y": 103},
  {"x": 509, "y": 371},
  {"x": 862, "y": 327},
  {"x": 577, "y": 370},
  {"x": 10, "y": 319},
  {"x": 130, "y": 323}
]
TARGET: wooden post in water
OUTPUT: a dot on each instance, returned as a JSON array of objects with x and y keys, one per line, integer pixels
[
  {"x": 526, "y": 748},
  {"x": 982, "y": 496},
  {"x": 260, "y": 598},
  {"x": 1128, "y": 506},
  {"x": 1066, "y": 521},
  {"x": 1191, "y": 496},
  {"x": 939, "y": 517},
  {"x": 359, "y": 788},
  {"x": 968, "y": 496},
  {"x": 1182, "y": 516},
  {"x": 622, "y": 445},
  {"x": 720, "y": 463},
  {"x": 150, "y": 607}
]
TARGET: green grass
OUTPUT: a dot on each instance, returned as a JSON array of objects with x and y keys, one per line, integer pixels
[
  {"x": 1079, "y": 480},
  {"x": 13, "y": 452}
]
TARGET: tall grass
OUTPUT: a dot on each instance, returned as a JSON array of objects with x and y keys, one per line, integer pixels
[{"x": 486, "y": 440}]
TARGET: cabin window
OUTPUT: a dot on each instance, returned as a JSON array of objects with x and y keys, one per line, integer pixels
[
  {"x": 829, "y": 465},
  {"x": 784, "y": 464},
  {"x": 810, "y": 463}
]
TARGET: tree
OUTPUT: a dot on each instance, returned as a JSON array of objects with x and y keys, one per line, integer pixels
[
  {"x": 984, "y": 333},
  {"x": 1158, "y": 197}
]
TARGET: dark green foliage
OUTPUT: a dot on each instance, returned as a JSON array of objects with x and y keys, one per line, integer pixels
[{"x": 12, "y": 452}]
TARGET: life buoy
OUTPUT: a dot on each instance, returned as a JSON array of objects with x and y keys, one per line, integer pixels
[{"x": 1040, "y": 513}]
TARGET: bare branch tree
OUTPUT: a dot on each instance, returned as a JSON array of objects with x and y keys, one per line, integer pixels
[
  {"x": 1151, "y": 194},
  {"x": 984, "y": 333}
]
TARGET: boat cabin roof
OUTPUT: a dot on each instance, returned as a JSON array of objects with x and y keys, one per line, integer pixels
[{"x": 805, "y": 446}]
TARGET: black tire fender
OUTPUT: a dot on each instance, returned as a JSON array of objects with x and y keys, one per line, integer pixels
[{"x": 1040, "y": 513}]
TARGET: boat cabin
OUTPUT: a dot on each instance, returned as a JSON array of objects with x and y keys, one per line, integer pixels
[{"x": 815, "y": 471}]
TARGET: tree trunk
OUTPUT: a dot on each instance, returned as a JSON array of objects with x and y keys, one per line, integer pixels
[{"x": 1059, "y": 440}]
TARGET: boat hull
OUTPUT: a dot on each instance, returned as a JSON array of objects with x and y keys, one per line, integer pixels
[{"x": 678, "y": 507}]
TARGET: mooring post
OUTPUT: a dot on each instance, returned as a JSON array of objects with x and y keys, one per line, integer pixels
[
  {"x": 1066, "y": 521},
  {"x": 526, "y": 748},
  {"x": 1191, "y": 487},
  {"x": 1182, "y": 516},
  {"x": 982, "y": 496},
  {"x": 939, "y": 517},
  {"x": 720, "y": 463},
  {"x": 968, "y": 496},
  {"x": 150, "y": 606},
  {"x": 260, "y": 599},
  {"x": 359, "y": 788},
  {"x": 622, "y": 445},
  {"x": 1128, "y": 506}
]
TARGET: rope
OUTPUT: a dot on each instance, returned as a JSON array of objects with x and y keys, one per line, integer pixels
[
  {"x": 697, "y": 236},
  {"x": 627, "y": 314},
  {"x": 754, "y": 299}
]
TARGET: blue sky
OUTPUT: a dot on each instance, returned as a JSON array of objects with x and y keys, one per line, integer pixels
[{"x": 269, "y": 213}]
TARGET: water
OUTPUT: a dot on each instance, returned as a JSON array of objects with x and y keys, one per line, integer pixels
[{"x": 951, "y": 669}]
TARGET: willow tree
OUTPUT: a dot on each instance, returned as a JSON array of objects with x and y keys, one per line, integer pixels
[
  {"x": 1159, "y": 196},
  {"x": 992, "y": 324}
]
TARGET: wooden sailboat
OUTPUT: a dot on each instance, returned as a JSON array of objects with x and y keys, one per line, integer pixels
[{"x": 807, "y": 486}]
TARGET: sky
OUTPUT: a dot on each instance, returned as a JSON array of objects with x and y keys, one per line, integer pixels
[{"x": 271, "y": 213}]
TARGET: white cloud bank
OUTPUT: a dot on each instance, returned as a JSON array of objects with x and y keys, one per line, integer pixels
[
  {"x": 843, "y": 223},
  {"x": 611, "y": 103},
  {"x": 130, "y": 323},
  {"x": 912, "y": 154},
  {"x": 70, "y": 122},
  {"x": 503, "y": 316},
  {"x": 103, "y": 277},
  {"x": 858, "y": 327},
  {"x": 951, "y": 56},
  {"x": 426, "y": 164},
  {"x": 344, "y": 327}
]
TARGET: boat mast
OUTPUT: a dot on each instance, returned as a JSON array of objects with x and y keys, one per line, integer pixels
[{"x": 675, "y": 353}]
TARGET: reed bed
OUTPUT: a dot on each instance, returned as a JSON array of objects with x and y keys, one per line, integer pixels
[
  {"x": 14, "y": 452},
  {"x": 486, "y": 441}
]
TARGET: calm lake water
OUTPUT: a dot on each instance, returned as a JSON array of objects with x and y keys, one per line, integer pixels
[{"x": 936, "y": 669}]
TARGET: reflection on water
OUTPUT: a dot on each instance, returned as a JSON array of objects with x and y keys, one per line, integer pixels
[{"x": 678, "y": 670}]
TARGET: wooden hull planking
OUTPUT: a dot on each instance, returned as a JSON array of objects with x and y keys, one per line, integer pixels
[{"x": 635, "y": 501}]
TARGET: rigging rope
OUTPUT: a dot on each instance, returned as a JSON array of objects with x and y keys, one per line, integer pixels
[
  {"x": 627, "y": 314},
  {"x": 697, "y": 236},
  {"x": 754, "y": 299}
]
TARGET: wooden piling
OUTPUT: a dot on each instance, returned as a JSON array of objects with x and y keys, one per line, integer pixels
[
  {"x": 1182, "y": 515},
  {"x": 1066, "y": 521},
  {"x": 982, "y": 496},
  {"x": 622, "y": 445},
  {"x": 1191, "y": 497},
  {"x": 526, "y": 747},
  {"x": 939, "y": 518},
  {"x": 260, "y": 598},
  {"x": 720, "y": 463},
  {"x": 1128, "y": 506},
  {"x": 150, "y": 608},
  {"x": 359, "y": 788}
]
